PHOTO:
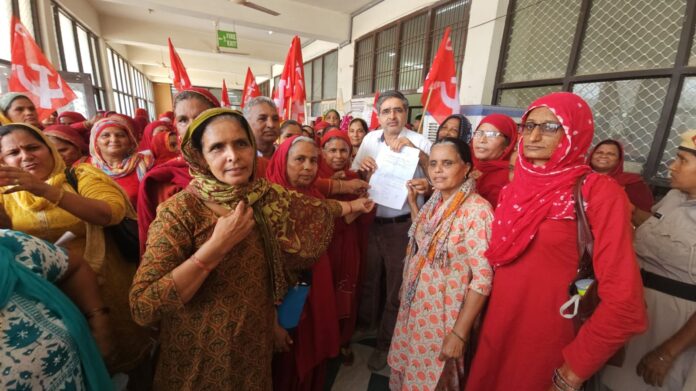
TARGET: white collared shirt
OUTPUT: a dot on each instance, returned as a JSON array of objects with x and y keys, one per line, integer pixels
[{"x": 370, "y": 147}]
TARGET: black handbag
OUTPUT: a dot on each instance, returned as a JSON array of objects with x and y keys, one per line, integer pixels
[{"x": 125, "y": 233}]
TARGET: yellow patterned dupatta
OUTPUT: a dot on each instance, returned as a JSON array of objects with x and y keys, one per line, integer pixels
[{"x": 27, "y": 200}]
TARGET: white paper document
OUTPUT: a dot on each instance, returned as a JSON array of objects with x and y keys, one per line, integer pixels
[{"x": 388, "y": 183}]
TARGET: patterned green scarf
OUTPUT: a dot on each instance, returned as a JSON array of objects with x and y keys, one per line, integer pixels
[{"x": 269, "y": 217}]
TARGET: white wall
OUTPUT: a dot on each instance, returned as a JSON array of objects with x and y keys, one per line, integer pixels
[{"x": 483, "y": 42}]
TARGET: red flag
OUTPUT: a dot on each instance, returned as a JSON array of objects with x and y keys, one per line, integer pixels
[
  {"x": 224, "y": 98},
  {"x": 374, "y": 120},
  {"x": 251, "y": 89},
  {"x": 34, "y": 75},
  {"x": 181, "y": 79},
  {"x": 290, "y": 95},
  {"x": 441, "y": 83}
]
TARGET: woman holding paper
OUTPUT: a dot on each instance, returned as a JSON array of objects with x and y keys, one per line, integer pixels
[
  {"x": 38, "y": 200},
  {"x": 446, "y": 276}
]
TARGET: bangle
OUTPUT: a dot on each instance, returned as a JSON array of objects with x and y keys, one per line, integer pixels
[
  {"x": 96, "y": 311},
  {"x": 458, "y": 336},
  {"x": 200, "y": 264},
  {"x": 339, "y": 185},
  {"x": 61, "y": 194},
  {"x": 561, "y": 384}
]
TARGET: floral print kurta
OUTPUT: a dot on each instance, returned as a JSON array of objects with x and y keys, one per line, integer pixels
[
  {"x": 36, "y": 350},
  {"x": 439, "y": 296}
]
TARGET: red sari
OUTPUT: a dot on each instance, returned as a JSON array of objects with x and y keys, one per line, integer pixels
[
  {"x": 347, "y": 249},
  {"x": 316, "y": 337}
]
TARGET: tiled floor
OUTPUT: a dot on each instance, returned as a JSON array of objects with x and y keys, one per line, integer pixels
[{"x": 357, "y": 377}]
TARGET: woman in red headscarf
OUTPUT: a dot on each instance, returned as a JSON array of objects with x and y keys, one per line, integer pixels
[
  {"x": 302, "y": 366},
  {"x": 493, "y": 142},
  {"x": 525, "y": 342},
  {"x": 69, "y": 144},
  {"x": 349, "y": 244},
  {"x": 113, "y": 149},
  {"x": 141, "y": 119},
  {"x": 608, "y": 158},
  {"x": 160, "y": 140}
]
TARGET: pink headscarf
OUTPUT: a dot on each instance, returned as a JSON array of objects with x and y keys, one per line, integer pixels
[{"x": 543, "y": 192}]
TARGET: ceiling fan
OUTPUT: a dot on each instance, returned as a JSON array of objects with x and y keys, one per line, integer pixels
[{"x": 256, "y": 7}]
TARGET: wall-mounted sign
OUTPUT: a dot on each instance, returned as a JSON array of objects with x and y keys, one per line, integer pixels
[{"x": 227, "y": 39}]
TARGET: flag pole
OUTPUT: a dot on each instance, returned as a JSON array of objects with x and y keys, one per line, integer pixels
[
  {"x": 425, "y": 110},
  {"x": 289, "y": 109}
]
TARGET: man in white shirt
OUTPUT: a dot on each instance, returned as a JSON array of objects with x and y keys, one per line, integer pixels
[
  {"x": 389, "y": 232},
  {"x": 262, "y": 115}
]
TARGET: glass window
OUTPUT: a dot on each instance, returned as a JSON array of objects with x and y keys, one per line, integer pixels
[
  {"x": 684, "y": 119},
  {"x": 5, "y": 14},
  {"x": 385, "y": 57},
  {"x": 330, "y": 78},
  {"x": 264, "y": 87},
  {"x": 624, "y": 35},
  {"x": 541, "y": 35},
  {"x": 628, "y": 111},
  {"x": 86, "y": 59},
  {"x": 317, "y": 78},
  {"x": 26, "y": 15},
  {"x": 363, "y": 66},
  {"x": 308, "y": 80},
  {"x": 68, "y": 40},
  {"x": 456, "y": 16},
  {"x": 413, "y": 39},
  {"x": 522, "y": 97}
]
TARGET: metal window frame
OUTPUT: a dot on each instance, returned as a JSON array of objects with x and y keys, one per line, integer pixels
[
  {"x": 430, "y": 11},
  {"x": 311, "y": 70},
  {"x": 97, "y": 65},
  {"x": 34, "y": 17},
  {"x": 677, "y": 73},
  {"x": 128, "y": 74}
]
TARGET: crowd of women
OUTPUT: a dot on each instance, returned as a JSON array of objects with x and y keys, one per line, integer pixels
[{"x": 215, "y": 249}]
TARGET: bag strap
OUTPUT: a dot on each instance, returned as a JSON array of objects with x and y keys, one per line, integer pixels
[
  {"x": 585, "y": 239},
  {"x": 71, "y": 177}
]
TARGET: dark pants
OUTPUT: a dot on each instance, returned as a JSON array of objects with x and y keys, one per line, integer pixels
[{"x": 386, "y": 250}]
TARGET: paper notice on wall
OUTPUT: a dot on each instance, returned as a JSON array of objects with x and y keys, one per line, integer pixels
[{"x": 394, "y": 169}]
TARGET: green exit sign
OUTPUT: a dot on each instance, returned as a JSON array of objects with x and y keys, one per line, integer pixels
[{"x": 227, "y": 39}]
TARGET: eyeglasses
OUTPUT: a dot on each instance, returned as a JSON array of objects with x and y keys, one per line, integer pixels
[
  {"x": 487, "y": 133},
  {"x": 395, "y": 110},
  {"x": 547, "y": 128}
]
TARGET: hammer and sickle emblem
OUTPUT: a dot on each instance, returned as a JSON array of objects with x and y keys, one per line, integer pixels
[
  {"x": 43, "y": 90},
  {"x": 450, "y": 101}
]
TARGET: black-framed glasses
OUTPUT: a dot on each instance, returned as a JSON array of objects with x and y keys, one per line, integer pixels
[
  {"x": 487, "y": 134},
  {"x": 547, "y": 128}
]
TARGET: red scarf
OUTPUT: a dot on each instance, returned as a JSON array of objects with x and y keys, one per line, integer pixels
[
  {"x": 624, "y": 178},
  {"x": 69, "y": 135},
  {"x": 277, "y": 170},
  {"x": 325, "y": 171},
  {"x": 489, "y": 181},
  {"x": 543, "y": 192}
]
